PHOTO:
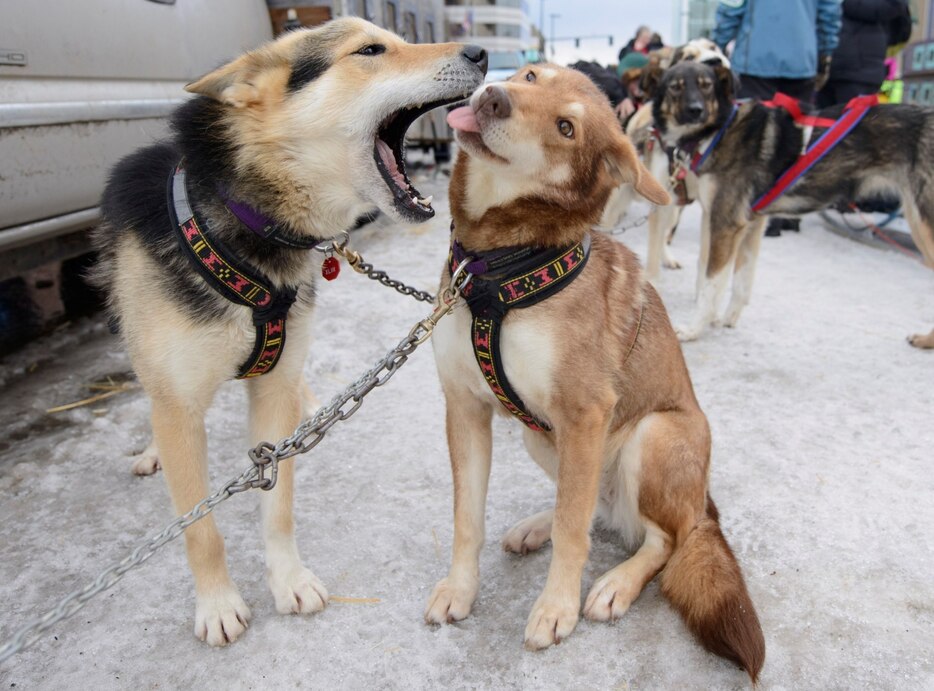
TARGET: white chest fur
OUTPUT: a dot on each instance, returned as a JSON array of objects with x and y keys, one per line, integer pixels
[{"x": 527, "y": 349}]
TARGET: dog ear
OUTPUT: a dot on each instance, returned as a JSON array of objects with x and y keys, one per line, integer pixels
[
  {"x": 651, "y": 77},
  {"x": 231, "y": 84},
  {"x": 625, "y": 167},
  {"x": 728, "y": 81}
]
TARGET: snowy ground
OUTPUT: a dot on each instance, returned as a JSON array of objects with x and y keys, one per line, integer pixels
[{"x": 823, "y": 437}]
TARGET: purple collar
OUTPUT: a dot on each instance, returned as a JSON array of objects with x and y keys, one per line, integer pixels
[
  {"x": 264, "y": 226},
  {"x": 492, "y": 260},
  {"x": 503, "y": 259}
]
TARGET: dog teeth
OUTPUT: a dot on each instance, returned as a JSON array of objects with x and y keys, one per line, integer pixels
[{"x": 426, "y": 201}]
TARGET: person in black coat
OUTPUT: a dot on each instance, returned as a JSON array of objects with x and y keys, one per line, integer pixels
[{"x": 869, "y": 28}]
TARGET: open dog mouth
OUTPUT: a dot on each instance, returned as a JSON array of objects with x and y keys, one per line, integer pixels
[{"x": 389, "y": 154}]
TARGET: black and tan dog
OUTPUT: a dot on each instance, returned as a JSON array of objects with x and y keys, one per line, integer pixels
[
  {"x": 889, "y": 149},
  {"x": 205, "y": 252},
  {"x": 662, "y": 220},
  {"x": 594, "y": 371}
]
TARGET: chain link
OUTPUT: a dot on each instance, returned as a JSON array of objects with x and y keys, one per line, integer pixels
[
  {"x": 265, "y": 457},
  {"x": 619, "y": 230},
  {"x": 361, "y": 267}
]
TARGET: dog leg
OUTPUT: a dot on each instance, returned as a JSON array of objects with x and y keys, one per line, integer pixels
[
  {"x": 922, "y": 341},
  {"x": 921, "y": 225},
  {"x": 661, "y": 220},
  {"x": 616, "y": 207},
  {"x": 221, "y": 615},
  {"x": 711, "y": 293},
  {"x": 470, "y": 442},
  {"x": 580, "y": 449},
  {"x": 147, "y": 461},
  {"x": 744, "y": 271},
  {"x": 668, "y": 259},
  {"x": 718, "y": 249},
  {"x": 613, "y": 593},
  {"x": 275, "y": 411}
]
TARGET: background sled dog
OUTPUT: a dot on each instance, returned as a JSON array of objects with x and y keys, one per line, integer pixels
[
  {"x": 888, "y": 149},
  {"x": 663, "y": 220},
  {"x": 597, "y": 362},
  {"x": 306, "y": 134}
]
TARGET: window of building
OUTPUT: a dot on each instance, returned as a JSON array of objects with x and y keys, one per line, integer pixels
[
  {"x": 410, "y": 31},
  {"x": 389, "y": 15}
]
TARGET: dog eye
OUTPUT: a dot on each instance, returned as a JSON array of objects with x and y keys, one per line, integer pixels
[
  {"x": 566, "y": 128},
  {"x": 530, "y": 77},
  {"x": 372, "y": 49},
  {"x": 705, "y": 85}
]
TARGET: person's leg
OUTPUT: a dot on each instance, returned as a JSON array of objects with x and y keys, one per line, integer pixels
[
  {"x": 758, "y": 88},
  {"x": 801, "y": 89}
]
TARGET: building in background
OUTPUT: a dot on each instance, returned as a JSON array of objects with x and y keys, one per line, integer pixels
[
  {"x": 917, "y": 59},
  {"x": 500, "y": 26},
  {"x": 692, "y": 19}
]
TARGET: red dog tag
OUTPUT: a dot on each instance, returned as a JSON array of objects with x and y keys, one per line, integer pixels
[{"x": 330, "y": 268}]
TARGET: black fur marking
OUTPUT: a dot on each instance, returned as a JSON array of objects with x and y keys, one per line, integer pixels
[
  {"x": 306, "y": 70},
  {"x": 201, "y": 135},
  {"x": 134, "y": 204}
]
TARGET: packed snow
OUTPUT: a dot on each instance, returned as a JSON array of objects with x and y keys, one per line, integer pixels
[{"x": 823, "y": 426}]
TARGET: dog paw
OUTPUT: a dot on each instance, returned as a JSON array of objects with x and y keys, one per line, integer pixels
[
  {"x": 297, "y": 591},
  {"x": 610, "y": 597},
  {"x": 449, "y": 602},
  {"x": 147, "y": 462},
  {"x": 688, "y": 333},
  {"x": 221, "y": 617},
  {"x": 730, "y": 319},
  {"x": 923, "y": 341},
  {"x": 550, "y": 622},
  {"x": 529, "y": 534},
  {"x": 671, "y": 263}
]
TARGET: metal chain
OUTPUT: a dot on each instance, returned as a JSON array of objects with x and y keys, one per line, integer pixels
[
  {"x": 265, "y": 457},
  {"x": 619, "y": 230},
  {"x": 361, "y": 267}
]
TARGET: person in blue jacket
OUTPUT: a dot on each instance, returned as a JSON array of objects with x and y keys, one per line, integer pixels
[{"x": 780, "y": 45}]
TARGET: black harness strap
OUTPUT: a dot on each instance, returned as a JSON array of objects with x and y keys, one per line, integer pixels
[
  {"x": 512, "y": 279},
  {"x": 215, "y": 263}
]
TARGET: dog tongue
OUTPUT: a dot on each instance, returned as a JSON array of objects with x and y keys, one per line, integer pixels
[{"x": 463, "y": 119}]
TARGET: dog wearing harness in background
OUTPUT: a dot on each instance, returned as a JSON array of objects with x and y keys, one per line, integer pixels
[
  {"x": 680, "y": 182},
  {"x": 754, "y": 159},
  {"x": 559, "y": 330},
  {"x": 205, "y": 254}
]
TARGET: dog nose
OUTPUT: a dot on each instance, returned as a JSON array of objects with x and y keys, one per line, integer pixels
[
  {"x": 695, "y": 110},
  {"x": 476, "y": 55},
  {"x": 494, "y": 101}
]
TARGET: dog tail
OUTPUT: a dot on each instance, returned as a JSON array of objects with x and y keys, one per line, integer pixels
[{"x": 703, "y": 582}]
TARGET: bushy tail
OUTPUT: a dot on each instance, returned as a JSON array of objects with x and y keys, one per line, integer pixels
[{"x": 703, "y": 582}]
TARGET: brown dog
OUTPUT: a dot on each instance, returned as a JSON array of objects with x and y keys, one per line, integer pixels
[{"x": 597, "y": 362}]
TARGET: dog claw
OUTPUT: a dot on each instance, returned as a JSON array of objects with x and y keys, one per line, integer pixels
[{"x": 221, "y": 617}]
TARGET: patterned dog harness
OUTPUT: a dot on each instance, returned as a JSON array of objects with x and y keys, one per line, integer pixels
[
  {"x": 512, "y": 278},
  {"x": 231, "y": 279}
]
